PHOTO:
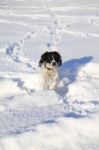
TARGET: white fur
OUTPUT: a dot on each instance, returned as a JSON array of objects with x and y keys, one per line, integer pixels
[{"x": 49, "y": 77}]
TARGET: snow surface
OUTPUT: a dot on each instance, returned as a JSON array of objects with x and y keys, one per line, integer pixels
[{"x": 32, "y": 118}]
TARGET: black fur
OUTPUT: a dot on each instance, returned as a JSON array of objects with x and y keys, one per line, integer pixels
[{"x": 48, "y": 57}]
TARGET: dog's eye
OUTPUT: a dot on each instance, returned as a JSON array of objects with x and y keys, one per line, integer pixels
[
  {"x": 49, "y": 59},
  {"x": 57, "y": 59}
]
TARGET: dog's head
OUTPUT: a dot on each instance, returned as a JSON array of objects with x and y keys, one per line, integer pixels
[{"x": 50, "y": 59}]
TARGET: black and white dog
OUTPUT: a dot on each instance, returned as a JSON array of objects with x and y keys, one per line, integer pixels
[{"x": 49, "y": 63}]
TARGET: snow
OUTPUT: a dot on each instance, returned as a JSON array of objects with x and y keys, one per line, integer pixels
[
  {"x": 64, "y": 134},
  {"x": 82, "y": 82},
  {"x": 32, "y": 118}
]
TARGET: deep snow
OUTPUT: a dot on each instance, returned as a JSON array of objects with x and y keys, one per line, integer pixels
[{"x": 32, "y": 118}]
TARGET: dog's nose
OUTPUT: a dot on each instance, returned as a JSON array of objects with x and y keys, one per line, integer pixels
[{"x": 54, "y": 63}]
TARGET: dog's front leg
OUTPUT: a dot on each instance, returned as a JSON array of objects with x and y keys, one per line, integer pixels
[
  {"x": 45, "y": 82},
  {"x": 53, "y": 85}
]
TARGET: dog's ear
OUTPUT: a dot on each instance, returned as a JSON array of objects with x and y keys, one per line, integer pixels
[
  {"x": 43, "y": 58},
  {"x": 58, "y": 58},
  {"x": 60, "y": 62}
]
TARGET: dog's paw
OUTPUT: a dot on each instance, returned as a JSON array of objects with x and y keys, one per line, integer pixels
[{"x": 52, "y": 87}]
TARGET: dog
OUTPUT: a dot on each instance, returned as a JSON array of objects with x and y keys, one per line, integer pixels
[{"x": 49, "y": 63}]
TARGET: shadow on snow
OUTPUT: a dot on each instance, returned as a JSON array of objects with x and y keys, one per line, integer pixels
[{"x": 69, "y": 70}]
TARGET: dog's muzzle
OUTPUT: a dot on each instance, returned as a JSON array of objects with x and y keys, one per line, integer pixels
[{"x": 53, "y": 63}]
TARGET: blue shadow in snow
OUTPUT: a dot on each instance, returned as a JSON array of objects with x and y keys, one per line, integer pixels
[
  {"x": 73, "y": 115},
  {"x": 50, "y": 121},
  {"x": 70, "y": 71}
]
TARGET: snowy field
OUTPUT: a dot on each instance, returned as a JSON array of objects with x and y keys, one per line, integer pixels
[{"x": 32, "y": 118}]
